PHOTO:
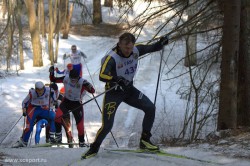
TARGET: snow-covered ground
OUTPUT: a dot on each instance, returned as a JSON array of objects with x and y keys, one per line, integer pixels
[{"x": 127, "y": 125}]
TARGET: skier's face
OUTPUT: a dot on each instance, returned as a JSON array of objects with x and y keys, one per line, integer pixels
[
  {"x": 69, "y": 67},
  {"x": 74, "y": 80},
  {"x": 40, "y": 91},
  {"x": 73, "y": 49},
  {"x": 126, "y": 48}
]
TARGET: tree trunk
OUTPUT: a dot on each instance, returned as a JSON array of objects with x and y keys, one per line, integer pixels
[
  {"x": 67, "y": 23},
  {"x": 190, "y": 58},
  {"x": 61, "y": 17},
  {"x": 10, "y": 33},
  {"x": 63, "y": 8},
  {"x": 34, "y": 31},
  {"x": 97, "y": 12},
  {"x": 244, "y": 67},
  {"x": 51, "y": 30},
  {"x": 55, "y": 14},
  {"x": 108, "y": 3},
  {"x": 227, "y": 117},
  {"x": 41, "y": 18},
  {"x": 20, "y": 30},
  {"x": 4, "y": 8}
]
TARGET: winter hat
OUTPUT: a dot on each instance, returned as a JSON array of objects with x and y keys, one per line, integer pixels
[{"x": 39, "y": 85}]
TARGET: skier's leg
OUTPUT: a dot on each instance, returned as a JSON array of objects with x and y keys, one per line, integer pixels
[
  {"x": 38, "y": 132},
  {"x": 138, "y": 100},
  {"x": 31, "y": 116},
  {"x": 111, "y": 101},
  {"x": 51, "y": 115},
  {"x": 58, "y": 122},
  {"x": 67, "y": 127},
  {"x": 79, "y": 118}
]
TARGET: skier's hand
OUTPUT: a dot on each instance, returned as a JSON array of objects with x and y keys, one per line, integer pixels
[
  {"x": 64, "y": 56},
  {"x": 24, "y": 112},
  {"x": 45, "y": 107},
  {"x": 83, "y": 55},
  {"x": 124, "y": 83},
  {"x": 90, "y": 89},
  {"x": 164, "y": 40},
  {"x": 51, "y": 69}
]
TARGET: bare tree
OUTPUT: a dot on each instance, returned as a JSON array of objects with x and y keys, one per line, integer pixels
[
  {"x": 67, "y": 23},
  {"x": 108, "y": 3},
  {"x": 10, "y": 32},
  {"x": 20, "y": 31},
  {"x": 227, "y": 118},
  {"x": 41, "y": 18},
  {"x": 190, "y": 59},
  {"x": 34, "y": 31},
  {"x": 243, "y": 117},
  {"x": 51, "y": 30},
  {"x": 97, "y": 12}
]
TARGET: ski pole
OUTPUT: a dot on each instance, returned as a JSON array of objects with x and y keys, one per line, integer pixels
[
  {"x": 11, "y": 129},
  {"x": 72, "y": 125},
  {"x": 158, "y": 79},
  {"x": 88, "y": 101},
  {"x": 24, "y": 122},
  {"x": 97, "y": 102}
]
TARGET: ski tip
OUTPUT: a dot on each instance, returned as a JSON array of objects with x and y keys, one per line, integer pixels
[{"x": 84, "y": 156}]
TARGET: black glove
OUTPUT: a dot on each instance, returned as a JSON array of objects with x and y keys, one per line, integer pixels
[
  {"x": 24, "y": 112},
  {"x": 51, "y": 69},
  {"x": 164, "y": 40},
  {"x": 125, "y": 84}
]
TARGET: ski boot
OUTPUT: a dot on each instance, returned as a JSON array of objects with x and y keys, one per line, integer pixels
[
  {"x": 19, "y": 143},
  {"x": 93, "y": 150},
  {"x": 146, "y": 144}
]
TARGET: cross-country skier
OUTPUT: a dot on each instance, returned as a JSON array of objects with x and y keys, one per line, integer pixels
[
  {"x": 64, "y": 72},
  {"x": 37, "y": 103},
  {"x": 75, "y": 57},
  {"x": 119, "y": 67},
  {"x": 75, "y": 88},
  {"x": 39, "y": 125}
]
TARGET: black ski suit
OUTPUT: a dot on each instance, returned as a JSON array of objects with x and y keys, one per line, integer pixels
[{"x": 131, "y": 96}]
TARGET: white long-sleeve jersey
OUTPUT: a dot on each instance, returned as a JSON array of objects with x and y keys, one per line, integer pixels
[
  {"x": 75, "y": 57},
  {"x": 43, "y": 100}
]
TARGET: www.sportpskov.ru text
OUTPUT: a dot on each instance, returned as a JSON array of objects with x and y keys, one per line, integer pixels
[{"x": 13, "y": 160}]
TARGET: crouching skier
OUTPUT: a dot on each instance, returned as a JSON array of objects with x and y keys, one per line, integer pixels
[
  {"x": 75, "y": 87},
  {"x": 37, "y": 103}
]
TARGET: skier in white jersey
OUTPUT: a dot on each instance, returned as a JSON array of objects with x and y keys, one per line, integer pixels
[
  {"x": 119, "y": 67},
  {"x": 75, "y": 58},
  {"x": 38, "y": 103},
  {"x": 75, "y": 88}
]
